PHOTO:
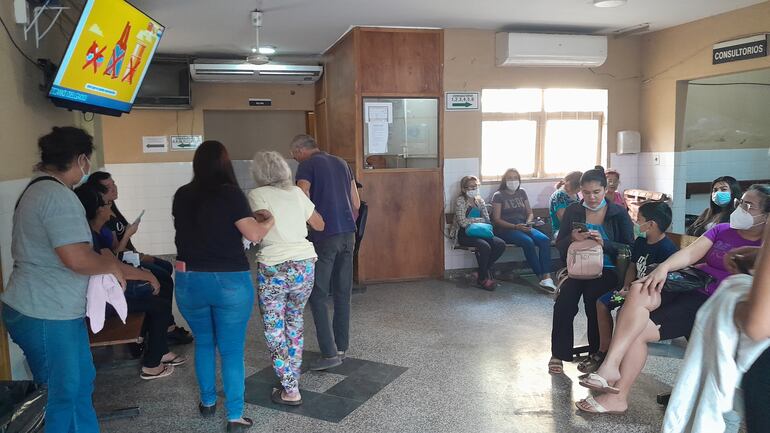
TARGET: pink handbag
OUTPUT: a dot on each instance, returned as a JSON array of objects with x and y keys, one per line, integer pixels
[{"x": 585, "y": 260}]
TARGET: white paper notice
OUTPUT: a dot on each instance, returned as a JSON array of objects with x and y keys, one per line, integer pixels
[
  {"x": 378, "y": 112},
  {"x": 378, "y": 138},
  {"x": 154, "y": 144}
]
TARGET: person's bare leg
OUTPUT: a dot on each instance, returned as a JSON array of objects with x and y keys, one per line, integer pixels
[
  {"x": 630, "y": 368},
  {"x": 604, "y": 317},
  {"x": 633, "y": 318}
]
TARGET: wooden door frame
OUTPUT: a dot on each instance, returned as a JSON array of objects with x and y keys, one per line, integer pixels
[{"x": 5, "y": 354}]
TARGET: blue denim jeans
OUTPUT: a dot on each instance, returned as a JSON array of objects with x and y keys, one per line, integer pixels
[
  {"x": 59, "y": 356},
  {"x": 217, "y": 306},
  {"x": 540, "y": 260}
]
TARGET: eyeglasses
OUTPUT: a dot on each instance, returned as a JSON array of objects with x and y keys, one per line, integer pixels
[{"x": 745, "y": 205}]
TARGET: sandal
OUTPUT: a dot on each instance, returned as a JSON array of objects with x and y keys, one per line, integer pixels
[
  {"x": 240, "y": 425},
  {"x": 591, "y": 363},
  {"x": 555, "y": 366},
  {"x": 178, "y": 360},
  {"x": 602, "y": 386},
  {"x": 277, "y": 397},
  {"x": 167, "y": 370},
  {"x": 590, "y": 405}
]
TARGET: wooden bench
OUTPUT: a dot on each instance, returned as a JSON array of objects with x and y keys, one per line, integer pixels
[{"x": 115, "y": 333}]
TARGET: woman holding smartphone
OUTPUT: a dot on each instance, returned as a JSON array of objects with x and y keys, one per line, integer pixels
[
  {"x": 514, "y": 223},
  {"x": 609, "y": 225}
]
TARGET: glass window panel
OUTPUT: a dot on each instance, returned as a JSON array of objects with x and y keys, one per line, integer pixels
[
  {"x": 570, "y": 145},
  {"x": 511, "y": 100},
  {"x": 575, "y": 100},
  {"x": 507, "y": 144}
]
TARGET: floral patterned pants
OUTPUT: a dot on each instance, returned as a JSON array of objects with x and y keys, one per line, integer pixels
[{"x": 283, "y": 290}]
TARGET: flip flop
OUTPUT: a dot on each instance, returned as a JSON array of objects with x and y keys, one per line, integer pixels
[
  {"x": 167, "y": 370},
  {"x": 178, "y": 360},
  {"x": 555, "y": 366},
  {"x": 277, "y": 398},
  {"x": 590, "y": 405},
  {"x": 602, "y": 387}
]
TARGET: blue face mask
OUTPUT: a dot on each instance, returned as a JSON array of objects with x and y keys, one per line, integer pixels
[
  {"x": 601, "y": 205},
  {"x": 721, "y": 198}
]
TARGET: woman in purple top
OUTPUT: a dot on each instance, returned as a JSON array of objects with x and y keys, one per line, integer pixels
[{"x": 651, "y": 314}]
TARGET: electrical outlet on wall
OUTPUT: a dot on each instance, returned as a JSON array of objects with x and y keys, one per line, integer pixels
[{"x": 656, "y": 159}]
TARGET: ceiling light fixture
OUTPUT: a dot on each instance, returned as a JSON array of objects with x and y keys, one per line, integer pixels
[
  {"x": 267, "y": 50},
  {"x": 609, "y": 3}
]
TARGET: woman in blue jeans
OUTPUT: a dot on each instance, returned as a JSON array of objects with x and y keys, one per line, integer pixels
[
  {"x": 213, "y": 283},
  {"x": 514, "y": 223},
  {"x": 44, "y": 305}
]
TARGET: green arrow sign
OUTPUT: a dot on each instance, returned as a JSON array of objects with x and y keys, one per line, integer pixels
[{"x": 461, "y": 104}]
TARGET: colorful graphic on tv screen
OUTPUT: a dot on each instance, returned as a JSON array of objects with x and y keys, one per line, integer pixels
[{"x": 108, "y": 56}]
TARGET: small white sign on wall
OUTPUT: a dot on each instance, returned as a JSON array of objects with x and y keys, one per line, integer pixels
[
  {"x": 462, "y": 101},
  {"x": 155, "y": 144},
  {"x": 186, "y": 142}
]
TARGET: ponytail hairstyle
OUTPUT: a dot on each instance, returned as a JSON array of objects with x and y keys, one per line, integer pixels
[
  {"x": 594, "y": 175},
  {"x": 572, "y": 179}
]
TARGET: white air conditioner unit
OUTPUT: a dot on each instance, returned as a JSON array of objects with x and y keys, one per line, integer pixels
[
  {"x": 240, "y": 72},
  {"x": 536, "y": 49}
]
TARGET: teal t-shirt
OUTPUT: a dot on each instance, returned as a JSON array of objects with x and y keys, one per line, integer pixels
[
  {"x": 607, "y": 259},
  {"x": 40, "y": 286}
]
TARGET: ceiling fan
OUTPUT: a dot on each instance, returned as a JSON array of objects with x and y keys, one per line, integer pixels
[{"x": 257, "y": 58}]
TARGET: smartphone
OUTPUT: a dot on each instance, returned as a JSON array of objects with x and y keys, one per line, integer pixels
[
  {"x": 581, "y": 227},
  {"x": 743, "y": 263},
  {"x": 139, "y": 218}
]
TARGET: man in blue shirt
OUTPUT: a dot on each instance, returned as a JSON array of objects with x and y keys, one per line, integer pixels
[{"x": 329, "y": 183}]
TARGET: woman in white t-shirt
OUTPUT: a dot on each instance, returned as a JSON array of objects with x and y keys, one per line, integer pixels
[{"x": 286, "y": 267}]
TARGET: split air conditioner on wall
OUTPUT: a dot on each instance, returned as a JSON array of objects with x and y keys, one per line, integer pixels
[
  {"x": 241, "y": 72},
  {"x": 537, "y": 49}
]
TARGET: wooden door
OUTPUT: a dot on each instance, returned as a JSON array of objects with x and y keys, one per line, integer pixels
[
  {"x": 5, "y": 356},
  {"x": 404, "y": 232}
]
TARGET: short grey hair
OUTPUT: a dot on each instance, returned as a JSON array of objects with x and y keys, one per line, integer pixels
[
  {"x": 303, "y": 141},
  {"x": 271, "y": 169}
]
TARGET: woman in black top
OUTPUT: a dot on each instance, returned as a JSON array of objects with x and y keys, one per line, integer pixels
[
  {"x": 608, "y": 224},
  {"x": 215, "y": 293}
]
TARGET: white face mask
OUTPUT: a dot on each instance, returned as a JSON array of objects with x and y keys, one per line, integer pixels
[
  {"x": 512, "y": 185},
  {"x": 472, "y": 193},
  {"x": 741, "y": 219}
]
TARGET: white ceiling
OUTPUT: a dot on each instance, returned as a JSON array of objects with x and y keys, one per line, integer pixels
[{"x": 302, "y": 27}]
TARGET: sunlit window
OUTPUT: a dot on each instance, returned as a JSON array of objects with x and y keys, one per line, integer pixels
[
  {"x": 544, "y": 133},
  {"x": 511, "y": 100},
  {"x": 513, "y": 143}
]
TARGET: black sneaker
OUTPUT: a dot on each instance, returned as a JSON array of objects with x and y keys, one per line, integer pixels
[
  {"x": 179, "y": 336},
  {"x": 207, "y": 411},
  {"x": 325, "y": 363}
]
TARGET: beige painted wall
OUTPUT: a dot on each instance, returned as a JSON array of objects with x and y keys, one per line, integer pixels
[
  {"x": 25, "y": 111},
  {"x": 469, "y": 64},
  {"x": 122, "y": 136},
  {"x": 246, "y": 132},
  {"x": 684, "y": 53}
]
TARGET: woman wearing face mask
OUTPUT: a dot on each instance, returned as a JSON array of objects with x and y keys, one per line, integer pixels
[
  {"x": 469, "y": 209},
  {"x": 566, "y": 193},
  {"x": 613, "y": 183},
  {"x": 44, "y": 305},
  {"x": 514, "y": 223},
  {"x": 610, "y": 226},
  {"x": 652, "y": 314},
  {"x": 724, "y": 191}
]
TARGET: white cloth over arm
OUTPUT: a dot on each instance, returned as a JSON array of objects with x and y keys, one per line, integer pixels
[
  {"x": 717, "y": 356},
  {"x": 102, "y": 290}
]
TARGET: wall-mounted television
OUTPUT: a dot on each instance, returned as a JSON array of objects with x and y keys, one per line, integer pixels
[
  {"x": 166, "y": 85},
  {"x": 106, "y": 59}
]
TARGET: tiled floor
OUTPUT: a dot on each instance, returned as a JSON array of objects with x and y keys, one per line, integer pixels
[{"x": 432, "y": 356}]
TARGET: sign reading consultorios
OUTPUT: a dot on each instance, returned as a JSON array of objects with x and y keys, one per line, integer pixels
[{"x": 740, "y": 49}]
